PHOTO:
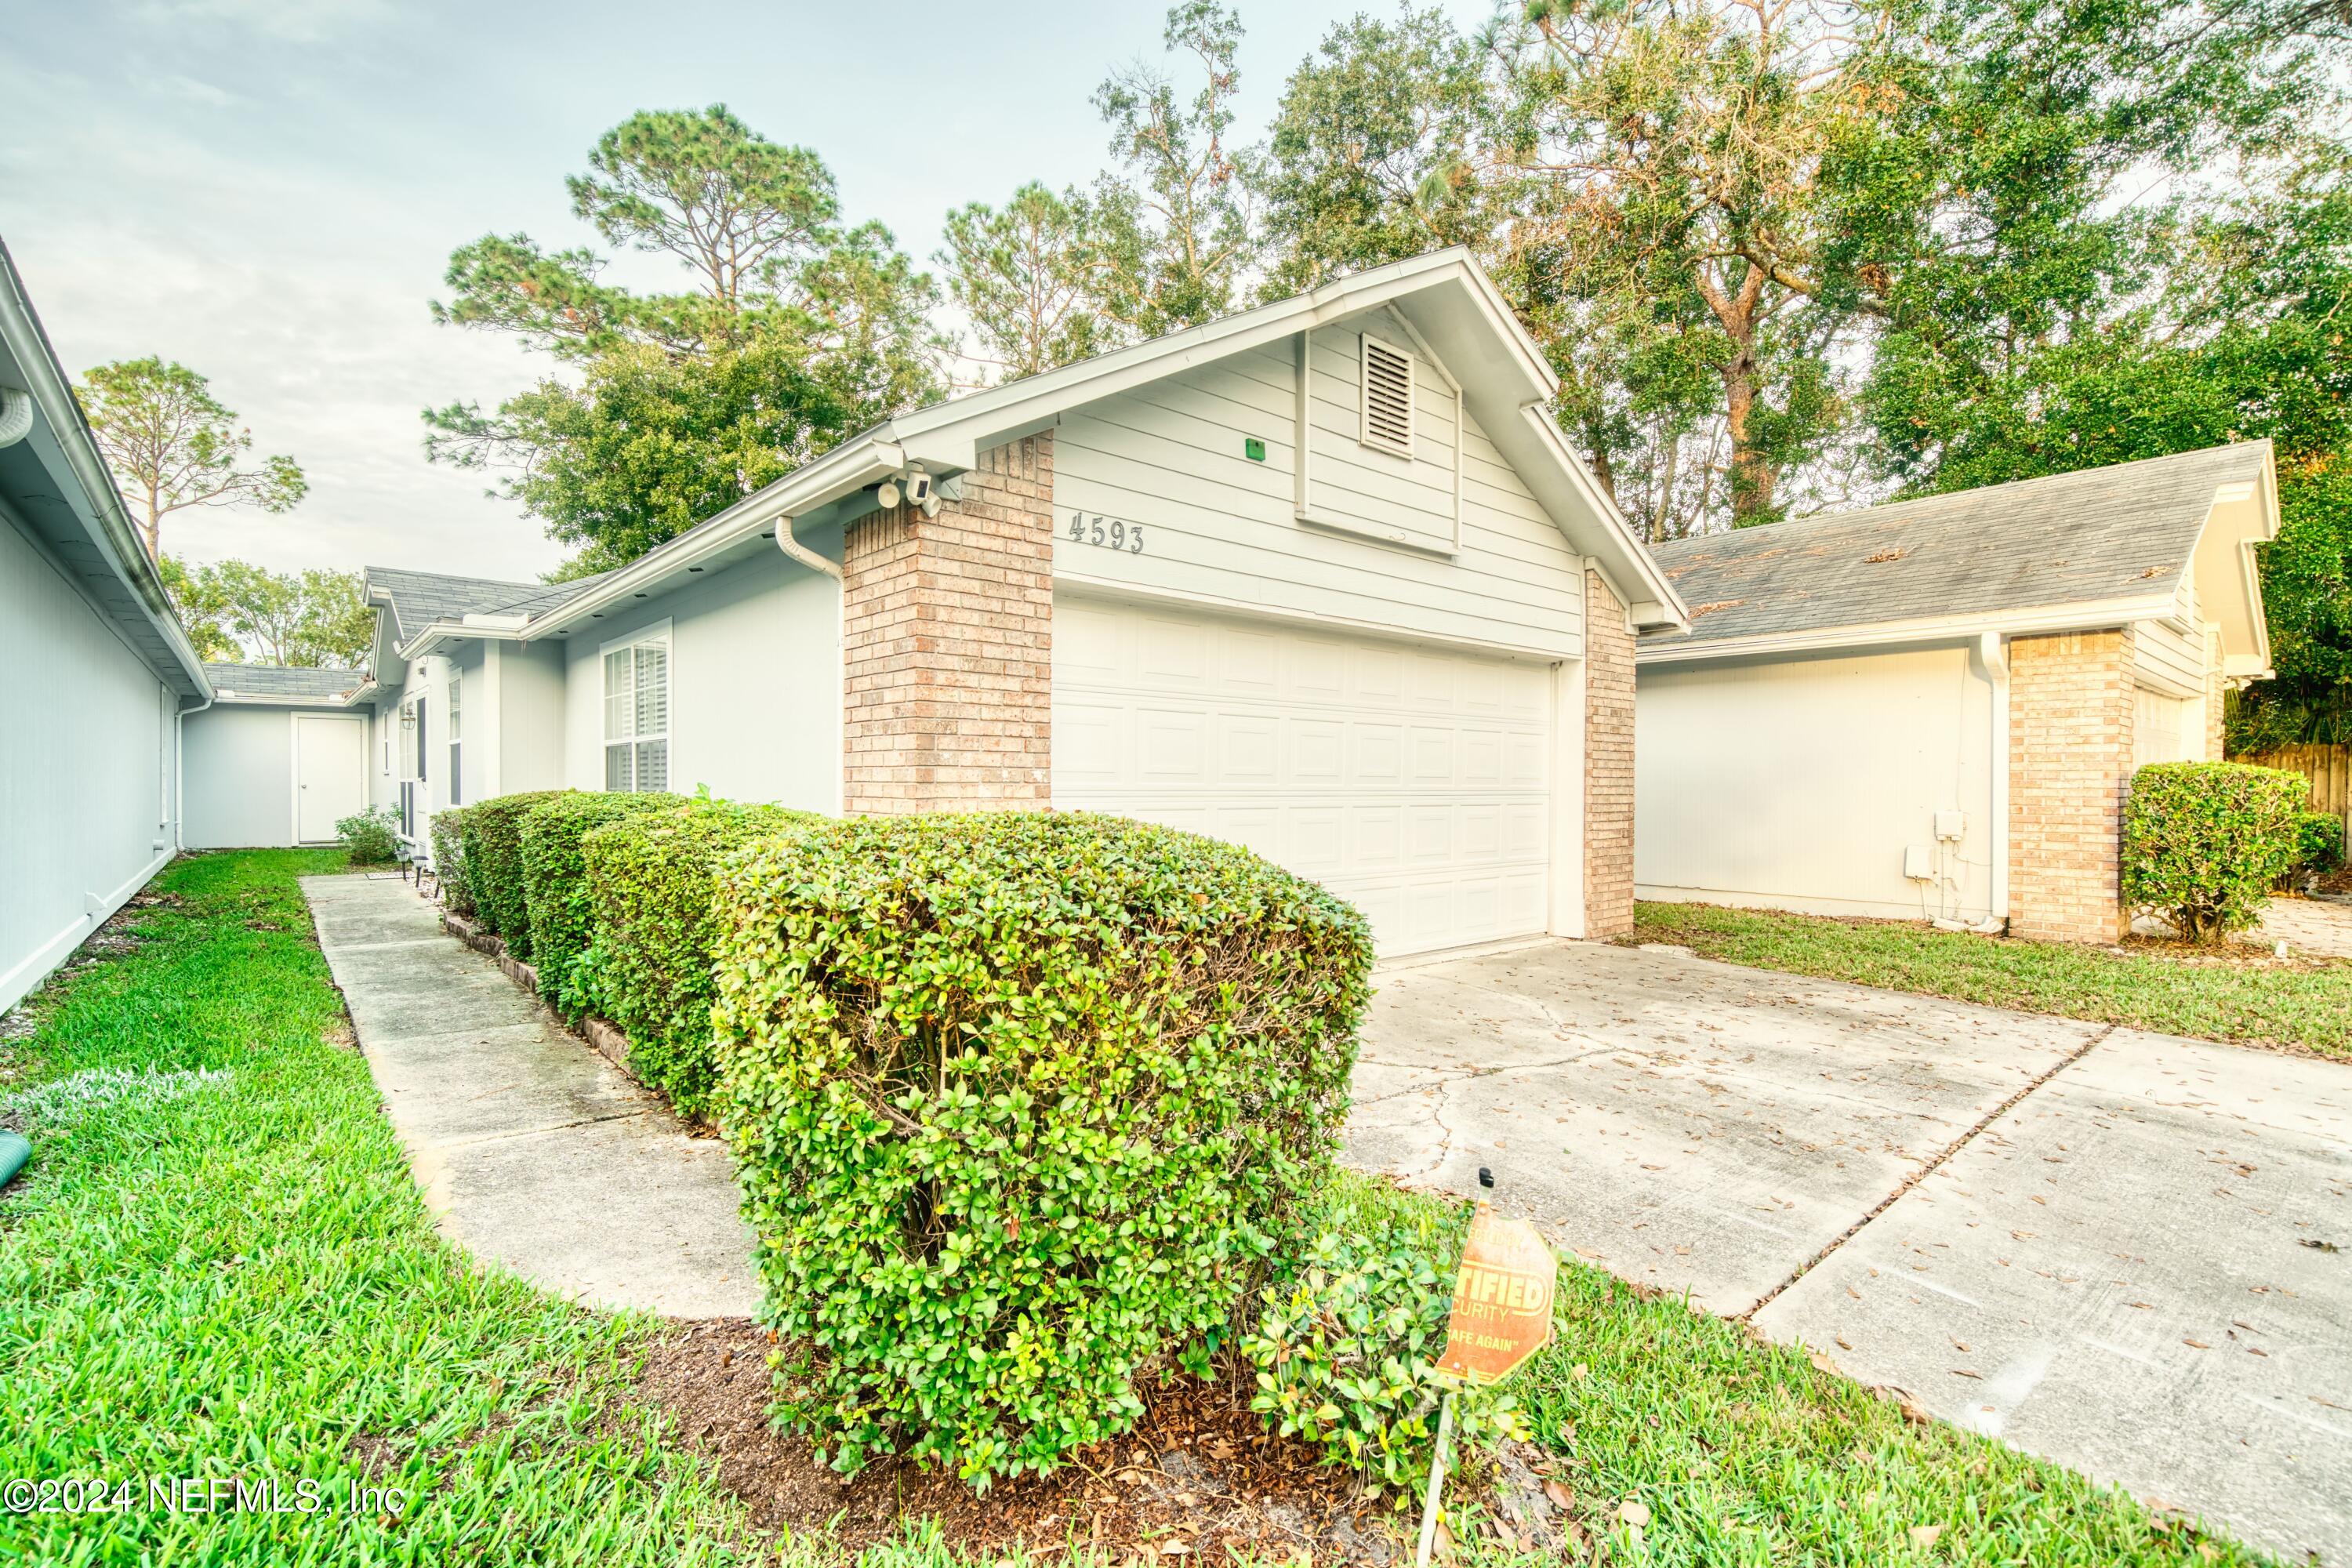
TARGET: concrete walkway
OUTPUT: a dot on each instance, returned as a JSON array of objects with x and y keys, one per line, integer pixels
[
  {"x": 533, "y": 1153},
  {"x": 2125, "y": 1252}
]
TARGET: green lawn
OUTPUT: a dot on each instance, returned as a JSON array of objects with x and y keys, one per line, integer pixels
[
  {"x": 242, "y": 1281},
  {"x": 219, "y": 1267},
  {"x": 1748, "y": 1454},
  {"x": 2156, "y": 986}
]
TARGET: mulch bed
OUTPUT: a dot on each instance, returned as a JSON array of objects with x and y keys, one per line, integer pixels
[{"x": 1199, "y": 1480}]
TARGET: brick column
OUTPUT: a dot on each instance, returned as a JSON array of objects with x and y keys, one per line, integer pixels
[
  {"x": 1607, "y": 763},
  {"x": 947, "y": 646},
  {"x": 2070, "y": 761}
]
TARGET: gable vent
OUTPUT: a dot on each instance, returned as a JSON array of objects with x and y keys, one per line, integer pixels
[{"x": 1388, "y": 397}]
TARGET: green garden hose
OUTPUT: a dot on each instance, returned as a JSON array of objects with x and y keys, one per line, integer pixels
[{"x": 14, "y": 1152}]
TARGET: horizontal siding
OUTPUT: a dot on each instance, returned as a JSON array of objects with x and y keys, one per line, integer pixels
[
  {"x": 2170, "y": 659},
  {"x": 1218, "y": 526}
]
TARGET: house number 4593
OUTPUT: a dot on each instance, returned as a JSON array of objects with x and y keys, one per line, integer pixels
[{"x": 1107, "y": 533}]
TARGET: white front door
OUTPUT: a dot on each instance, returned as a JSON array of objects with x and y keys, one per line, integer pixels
[
  {"x": 1412, "y": 781},
  {"x": 330, "y": 774}
]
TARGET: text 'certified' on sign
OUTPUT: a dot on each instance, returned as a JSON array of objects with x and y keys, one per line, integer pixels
[{"x": 1502, "y": 1301}]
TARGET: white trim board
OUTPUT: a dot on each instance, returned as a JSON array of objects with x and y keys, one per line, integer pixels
[{"x": 27, "y": 976}]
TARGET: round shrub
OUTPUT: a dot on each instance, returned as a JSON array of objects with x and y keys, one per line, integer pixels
[
  {"x": 490, "y": 842},
  {"x": 651, "y": 876},
  {"x": 1346, "y": 1351},
  {"x": 372, "y": 836},
  {"x": 2202, "y": 843},
  {"x": 1021, "y": 1104},
  {"x": 447, "y": 833},
  {"x": 557, "y": 893}
]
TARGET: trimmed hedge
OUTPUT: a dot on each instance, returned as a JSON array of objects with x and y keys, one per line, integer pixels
[
  {"x": 1021, "y": 1104},
  {"x": 449, "y": 857},
  {"x": 2318, "y": 843},
  {"x": 650, "y": 880},
  {"x": 2203, "y": 842},
  {"x": 491, "y": 843},
  {"x": 557, "y": 894}
]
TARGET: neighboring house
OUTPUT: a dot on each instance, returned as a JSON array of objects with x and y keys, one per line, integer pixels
[
  {"x": 1323, "y": 578},
  {"x": 278, "y": 758},
  {"x": 98, "y": 670},
  {"x": 1933, "y": 710},
  {"x": 464, "y": 711}
]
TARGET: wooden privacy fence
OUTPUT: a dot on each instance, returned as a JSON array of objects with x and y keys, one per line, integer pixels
[{"x": 2329, "y": 769}]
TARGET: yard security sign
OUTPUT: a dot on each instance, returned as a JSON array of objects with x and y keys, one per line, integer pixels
[
  {"x": 1502, "y": 1299},
  {"x": 1502, "y": 1315}
]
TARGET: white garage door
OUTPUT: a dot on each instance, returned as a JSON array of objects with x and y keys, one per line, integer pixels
[
  {"x": 1413, "y": 783},
  {"x": 2158, "y": 724}
]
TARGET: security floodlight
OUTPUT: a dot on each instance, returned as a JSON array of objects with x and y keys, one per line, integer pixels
[
  {"x": 887, "y": 495},
  {"x": 919, "y": 487}
]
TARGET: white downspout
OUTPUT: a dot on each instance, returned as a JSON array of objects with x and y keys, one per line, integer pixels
[
  {"x": 179, "y": 773},
  {"x": 802, "y": 553},
  {"x": 796, "y": 551},
  {"x": 1992, "y": 651}
]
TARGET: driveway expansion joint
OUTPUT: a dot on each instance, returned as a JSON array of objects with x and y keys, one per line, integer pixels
[{"x": 1928, "y": 1169}]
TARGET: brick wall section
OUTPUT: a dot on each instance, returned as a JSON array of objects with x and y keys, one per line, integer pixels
[
  {"x": 1607, "y": 763},
  {"x": 2070, "y": 761},
  {"x": 2213, "y": 690},
  {"x": 947, "y": 646}
]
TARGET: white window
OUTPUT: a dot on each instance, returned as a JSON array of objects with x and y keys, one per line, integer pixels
[
  {"x": 456, "y": 786},
  {"x": 636, "y": 711},
  {"x": 1388, "y": 397}
]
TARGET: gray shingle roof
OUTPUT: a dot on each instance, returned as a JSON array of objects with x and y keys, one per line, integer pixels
[
  {"x": 2123, "y": 531},
  {"x": 279, "y": 681},
  {"x": 420, "y": 598}
]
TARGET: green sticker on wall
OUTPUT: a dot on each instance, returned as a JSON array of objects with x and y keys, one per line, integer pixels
[{"x": 1253, "y": 448}]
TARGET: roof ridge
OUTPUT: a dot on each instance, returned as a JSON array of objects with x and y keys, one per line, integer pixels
[
  {"x": 459, "y": 577},
  {"x": 1880, "y": 510},
  {"x": 304, "y": 668}
]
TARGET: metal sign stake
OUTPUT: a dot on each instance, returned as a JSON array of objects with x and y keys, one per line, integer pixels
[
  {"x": 1502, "y": 1315},
  {"x": 1430, "y": 1511}
]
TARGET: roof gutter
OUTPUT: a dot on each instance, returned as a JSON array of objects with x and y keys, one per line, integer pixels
[
  {"x": 436, "y": 633},
  {"x": 1939, "y": 628},
  {"x": 849, "y": 467},
  {"x": 110, "y": 526}
]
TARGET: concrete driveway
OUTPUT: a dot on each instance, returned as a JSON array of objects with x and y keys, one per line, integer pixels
[{"x": 2114, "y": 1250}]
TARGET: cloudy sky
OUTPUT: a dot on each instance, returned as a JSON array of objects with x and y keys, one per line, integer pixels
[{"x": 268, "y": 191}]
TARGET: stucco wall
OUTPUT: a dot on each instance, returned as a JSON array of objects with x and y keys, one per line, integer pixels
[
  {"x": 755, "y": 683},
  {"x": 529, "y": 716},
  {"x": 240, "y": 778},
  {"x": 85, "y": 770},
  {"x": 1797, "y": 784}
]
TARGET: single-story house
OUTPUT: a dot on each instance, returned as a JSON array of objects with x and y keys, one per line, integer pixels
[
  {"x": 98, "y": 671},
  {"x": 1322, "y": 577},
  {"x": 279, "y": 758},
  {"x": 1933, "y": 710}
]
